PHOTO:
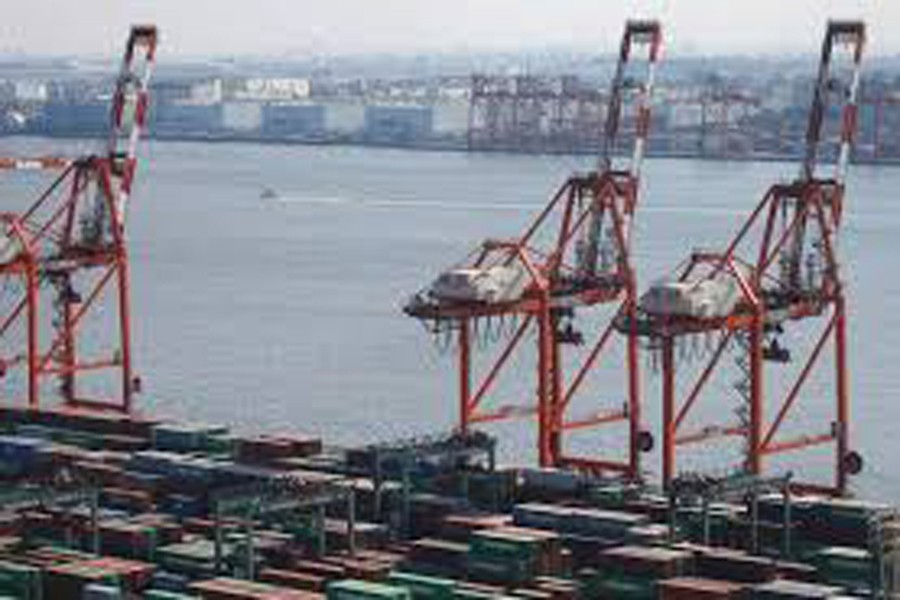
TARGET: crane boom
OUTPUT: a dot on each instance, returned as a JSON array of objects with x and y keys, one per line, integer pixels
[
  {"x": 850, "y": 35},
  {"x": 130, "y": 103},
  {"x": 638, "y": 35},
  {"x": 127, "y": 119}
]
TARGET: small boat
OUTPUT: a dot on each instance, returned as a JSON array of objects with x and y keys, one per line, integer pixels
[{"x": 268, "y": 194}]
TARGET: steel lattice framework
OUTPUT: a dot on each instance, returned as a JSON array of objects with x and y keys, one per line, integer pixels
[
  {"x": 784, "y": 263},
  {"x": 577, "y": 255},
  {"x": 70, "y": 244}
]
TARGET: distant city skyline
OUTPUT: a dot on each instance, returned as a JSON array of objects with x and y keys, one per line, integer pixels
[{"x": 288, "y": 28}]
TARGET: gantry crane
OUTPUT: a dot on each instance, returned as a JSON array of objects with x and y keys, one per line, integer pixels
[
  {"x": 65, "y": 252},
  {"x": 575, "y": 256},
  {"x": 780, "y": 273}
]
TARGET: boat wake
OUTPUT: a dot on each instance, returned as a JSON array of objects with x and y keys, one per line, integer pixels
[
  {"x": 406, "y": 204},
  {"x": 517, "y": 207}
]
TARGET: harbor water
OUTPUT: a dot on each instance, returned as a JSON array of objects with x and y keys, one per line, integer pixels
[{"x": 283, "y": 312}]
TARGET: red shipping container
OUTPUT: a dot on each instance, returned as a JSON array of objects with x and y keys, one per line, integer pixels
[
  {"x": 293, "y": 579},
  {"x": 696, "y": 588}
]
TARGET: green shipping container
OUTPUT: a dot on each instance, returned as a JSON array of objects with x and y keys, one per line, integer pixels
[
  {"x": 20, "y": 581},
  {"x": 423, "y": 586},
  {"x": 627, "y": 588},
  {"x": 496, "y": 544},
  {"x": 849, "y": 567},
  {"x": 101, "y": 592},
  {"x": 500, "y": 570},
  {"x": 166, "y": 595},
  {"x": 467, "y": 594},
  {"x": 610, "y": 497},
  {"x": 352, "y": 589}
]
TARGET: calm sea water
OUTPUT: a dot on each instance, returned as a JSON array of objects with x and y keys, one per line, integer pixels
[{"x": 285, "y": 314}]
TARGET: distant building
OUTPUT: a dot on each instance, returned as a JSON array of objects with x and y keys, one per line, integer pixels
[
  {"x": 7, "y": 91},
  {"x": 684, "y": 115},
  {"x": 398, "y": 123},
  {"x": 242, "y": 116},
  {"x": 191, "y": 118},
  {"x": 293, "y": 119},
  {"x": 207, "y": 92},
  {"x": 451, "y": 117},
  {"x": 74, "y": 91},
  {"x": 167, "y": 92},
  {"x": 273, "y": 89},
  {"x": 66, "y": 118},
  {"x": 461, "y": 92},
  {"x": 344, "y": 117},
  {"x": 31, "y": 91}
]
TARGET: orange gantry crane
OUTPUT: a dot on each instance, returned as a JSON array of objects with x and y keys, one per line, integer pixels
[
  {"x": 780, "y": 275},
  {"x": 61, "y": 256},
  {"x": 575, "y": 256}
]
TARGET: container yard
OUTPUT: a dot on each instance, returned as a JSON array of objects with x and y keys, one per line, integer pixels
[
  {"x": 102, "y": 501},
  {"x": 178, "y": 511}
]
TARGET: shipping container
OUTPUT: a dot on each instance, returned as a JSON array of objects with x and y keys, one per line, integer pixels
[
  {"x": 696, "y": 588},
  {"x": 422, "y": 586},
  {"x": 350, "y": 589},
  {"x": 784, "y": 589},
  {"x": 226, "y": 588},
  {"x": 20, "y": 581}
]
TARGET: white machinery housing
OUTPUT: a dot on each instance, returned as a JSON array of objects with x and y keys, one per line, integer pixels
[
  {"x": 490, "y": 285},
  {"x": 714, "y": 297}
]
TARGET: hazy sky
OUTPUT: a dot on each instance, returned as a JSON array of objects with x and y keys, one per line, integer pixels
[{"x": 278, "y": 27}]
